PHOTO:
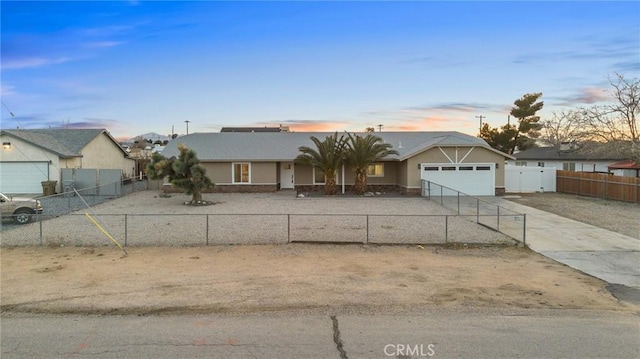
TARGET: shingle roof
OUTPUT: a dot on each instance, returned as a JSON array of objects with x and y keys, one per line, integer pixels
[
  {"x": 283, "y": 146},
  {"x": 61, "y": 141},
  {"x": 584, "y": 152}
]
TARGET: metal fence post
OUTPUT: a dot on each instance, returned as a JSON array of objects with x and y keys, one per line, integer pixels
[
  {"x": 446, "y": 228},
  {"x": 288, "y": 228},
  {"x": 441, "y": 197},
  {"x": 40, "y": 220},
  {"x": 367, "y": 242},
  {"x": 458, "y": 203},
  {"x": 524, "y": 229},
  {"x": 477, "y": 210},
  {"x": 126, "y": 231},
  {"x": 498, "y": 220},
  {"x": 207, "y": 236}
]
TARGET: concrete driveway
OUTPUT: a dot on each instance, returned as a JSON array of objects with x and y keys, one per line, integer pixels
[{"x": 607, "y": 255}]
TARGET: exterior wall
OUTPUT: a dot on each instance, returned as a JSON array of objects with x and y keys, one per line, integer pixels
[
  {"x": 390, "y": 176},
  {"x": 303, "y": 175},
  {"x": 219, "y": 173},
  {"x": 264, "y": 173},
  {"x": 581, "y": 166},
  {"x": 304, "y": 178},
  {"x": 263, "y": 177},
  {"x": 103, "y": 153}
]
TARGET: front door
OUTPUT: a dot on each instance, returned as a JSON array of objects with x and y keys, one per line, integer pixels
[{"x": 286, "y": 175}]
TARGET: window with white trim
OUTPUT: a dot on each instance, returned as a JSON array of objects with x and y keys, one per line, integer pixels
[
  {"x": 569, "y": 166},
  {"x": 521, "y": 163},
  {"x": 241, "y": 173},
  {"x": 540, "y": 164},
  {"x": 375, "y": 170}
]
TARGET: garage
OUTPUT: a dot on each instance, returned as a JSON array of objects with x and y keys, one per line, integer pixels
[
  {"x": 23, "y": 177},
  {"x": 477, "y": 179}
]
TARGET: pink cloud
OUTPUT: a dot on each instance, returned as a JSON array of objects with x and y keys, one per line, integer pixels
[{"x": 592, "y": 95}]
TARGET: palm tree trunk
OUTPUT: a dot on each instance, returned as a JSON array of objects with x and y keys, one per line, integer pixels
[
  {"x": 330, "y": 183},
  {"x": 360, "y": 184}
]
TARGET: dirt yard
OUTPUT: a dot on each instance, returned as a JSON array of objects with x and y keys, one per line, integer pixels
[
  {"x": 269, "y": 277},
  {"x": 262, "y": 278}
]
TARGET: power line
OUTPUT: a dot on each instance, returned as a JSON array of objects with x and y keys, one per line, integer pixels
[{"x": 7, "y": 107}]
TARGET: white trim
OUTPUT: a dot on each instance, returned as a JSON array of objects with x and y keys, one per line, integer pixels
[
  {"x": 466, "y": 155},
  {"x": 445, "y": 154},
  {"x": 233, "y": 172},
  {"x": 374, "y": 164}
]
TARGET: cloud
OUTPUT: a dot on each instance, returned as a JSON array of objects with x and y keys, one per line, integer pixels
[
  {"x": 6, "y": 90},
  {"x": 587, "y": 95},
  {"x": 622, "y": 48},
  {"x": 27, "y": 62},
  {"x": 103, "y": 44}
]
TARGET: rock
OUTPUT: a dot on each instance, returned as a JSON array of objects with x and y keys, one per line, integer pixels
[
  {"x": 368, "y": 194},
  {"x": 378, "y": 193},
  {"x": 300, "y": 195}
]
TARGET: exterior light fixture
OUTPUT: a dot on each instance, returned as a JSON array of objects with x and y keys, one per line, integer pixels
[{"x": 6, "y": 145}]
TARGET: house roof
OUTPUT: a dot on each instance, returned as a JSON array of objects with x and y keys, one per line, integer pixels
[
  {"x": 624, "y": 165},
  {"x": 283, "y": 146},
  {"x": 592, "y": 151},
  {"x": 66, "y": 143},
  {"x": 255, "y": 129}
]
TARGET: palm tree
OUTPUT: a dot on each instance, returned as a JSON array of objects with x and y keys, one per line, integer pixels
[
  {"x": 328, "y": 156},
  {"x": 361, "y": 153}
]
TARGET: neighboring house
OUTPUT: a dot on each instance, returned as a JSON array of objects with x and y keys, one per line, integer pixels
[
  {"x": 255, "y": 129},
  {"x": 589, "y": 157},
  {"x": 30, "y": 157},
  {"x": 259, "y": 162},
  {"x": 627, "y": 168}
]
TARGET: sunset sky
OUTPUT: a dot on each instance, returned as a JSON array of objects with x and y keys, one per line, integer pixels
[{"x": 135, "y": 67}]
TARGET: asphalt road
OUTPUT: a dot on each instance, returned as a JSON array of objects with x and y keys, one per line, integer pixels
[{"x": 437, "y": 334}]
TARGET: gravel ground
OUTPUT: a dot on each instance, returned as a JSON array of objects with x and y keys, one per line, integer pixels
[
  {"x": 616, "y": 216},
  {"x": 264, "y": 218}
]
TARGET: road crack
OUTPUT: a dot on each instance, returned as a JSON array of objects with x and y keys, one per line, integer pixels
[{"x": 337, "y": 339}]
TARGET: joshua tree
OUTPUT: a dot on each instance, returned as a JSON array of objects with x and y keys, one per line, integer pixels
[{"x": 184, "y": 172}]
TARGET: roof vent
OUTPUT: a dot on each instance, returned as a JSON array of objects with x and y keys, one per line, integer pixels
[{"x": 400, "y": 144}]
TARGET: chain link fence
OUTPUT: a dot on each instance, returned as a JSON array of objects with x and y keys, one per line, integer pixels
[
  {"x": 75, "y": 229},
  {"x": 65, "y": 221},
  {"x": 485, "y": 213}
]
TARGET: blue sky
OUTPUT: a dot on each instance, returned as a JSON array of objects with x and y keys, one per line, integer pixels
[{"x": 134, "y": 67}]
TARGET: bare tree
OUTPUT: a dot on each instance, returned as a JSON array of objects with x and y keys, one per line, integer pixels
[
  {"x": 564, "y": 126},
  {"x": 615, "y": 121}
]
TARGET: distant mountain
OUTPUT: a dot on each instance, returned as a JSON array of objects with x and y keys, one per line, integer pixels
[{"x": 150, "y": 136}]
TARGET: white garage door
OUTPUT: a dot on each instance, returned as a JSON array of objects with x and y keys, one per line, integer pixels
[
  {"x": 23, "y": 177},
  {"x": 477, "y": 179}
]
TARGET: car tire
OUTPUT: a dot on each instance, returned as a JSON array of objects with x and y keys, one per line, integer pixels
[{"x": 22, "y": 216}]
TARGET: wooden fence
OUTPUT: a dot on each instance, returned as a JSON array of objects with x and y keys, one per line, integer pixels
[{"x": 620, "y": 188}]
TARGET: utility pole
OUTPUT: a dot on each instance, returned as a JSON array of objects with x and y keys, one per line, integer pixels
[
  {"x": 380, "y": 128},
  {"x": 481, "y": 117},
  {"x": 187, "y": 122}
]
